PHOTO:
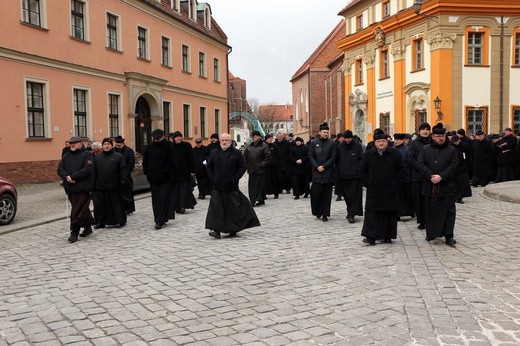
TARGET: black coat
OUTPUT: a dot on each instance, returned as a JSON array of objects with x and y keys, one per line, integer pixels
[
  {"x": 275, "y": 155},
  {"x": 201, "y": 154},
  {"x": 225, "y": 168},
  {"x": 483, "y": 159},
  {"x": 348, "y": 160},
  {"x": 416, "y": 147},
  {"x": 257, "y": 157},
  {"x": 300, "y": 153},
  {"x": 79, "y": 164},
  {"x": 464, "y": 156},
  {"x": 184, "y": 162},
  {"x": 406, "y": 155},
  {"x": 158, "y": 162},
  {"x": 441, "y": 160},
  {"x": 284, "y": 152},
  {"x": 129, "y": 157},
  {"x": 110, "y": 170},
  {"x": 381, "y": 175},
  {"x": 506, "y": 150},
  {"x": 322, "y": 152}
]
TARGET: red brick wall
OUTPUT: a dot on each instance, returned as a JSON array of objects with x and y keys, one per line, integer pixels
[{"x": 30, "y": 172}]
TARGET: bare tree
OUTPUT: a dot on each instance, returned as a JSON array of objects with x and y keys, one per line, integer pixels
[{"x": 269, "y": 117}]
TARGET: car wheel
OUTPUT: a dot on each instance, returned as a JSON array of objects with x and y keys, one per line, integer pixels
[{"x": 7, "y": 209}]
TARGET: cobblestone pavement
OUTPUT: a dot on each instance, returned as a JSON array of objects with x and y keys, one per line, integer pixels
[{"x": 294, "y": 280}]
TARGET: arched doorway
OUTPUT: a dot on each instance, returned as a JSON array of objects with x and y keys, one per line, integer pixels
[{"x": 143, "y": 124}]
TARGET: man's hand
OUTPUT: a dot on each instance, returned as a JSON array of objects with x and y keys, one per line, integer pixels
[
  {"x": 435, "y": 179},
  {"x": 321, "y": 169},
  {"x": 299, "y": 161}
]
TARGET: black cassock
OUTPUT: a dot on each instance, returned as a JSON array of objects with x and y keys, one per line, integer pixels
[{"x": 229, "y": 209}]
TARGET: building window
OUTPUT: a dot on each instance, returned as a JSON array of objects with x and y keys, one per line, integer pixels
[
  {"x": 193, "y": 9},
  {"x": 216, "y": 70},
  {"x": 77, "y": 18},
  {"x": 476, "y": 119},
  {"x": 80, "y": 113},
  {"x": 418, "y": 54},
  {"x": 185, "y": 58},
  {"x": 207, "y": 18},
  {"x": 113, "y": 115},
  {"x": 35, "y": 109},
  {"x": 421, "y": 116},
  {"x": 386, "y": 8},
  {"x": 166, "y": 116},
  {"x": 186, "y": 110},
  {"x": 217, "y": 120},
  {"x": 516, "y": 119},
  {"x": 32, "y": 12},
  {"x": 384, "y": 67},
  {"x": 175, "y": 5},
  {"x": 477, "y": 46},
  {"x": 112, "y": 31},
  {"x": 165, "y": 48},
  {"x": 142, "y": 42},
  {"x": 203, "y": 122},
  {"x": 384, "y": 122},
  {"x": 202, "y": 64},
  {"x": 359, "y": 22},
  {"x": 517, "y": 49},
  {"x": 359, "y": 71}
]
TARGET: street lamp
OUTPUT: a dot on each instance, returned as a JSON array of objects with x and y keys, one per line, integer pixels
[
  {"x": 437, "y": 104},
  {"x": 301, "y": 123},
  {"x": 417, "y": 9}
]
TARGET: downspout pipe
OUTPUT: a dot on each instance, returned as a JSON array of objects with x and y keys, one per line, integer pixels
[
  {"x": 501, "y": 114},
  {"x": 230, "y": 49}
]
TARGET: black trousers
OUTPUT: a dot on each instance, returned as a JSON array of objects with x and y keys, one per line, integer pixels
[
  {"x": 418, "y": 202},
  {"x": 352, "y": 190},
  {"x": 300, "y": 184},
  {"x": 163, "y": 209},
  {"x": 128, "y": 195},
  {"x": 440, "y": 217},
  {"x": 476, "y": 181},
  {"x": 256, "y": 187},
  {"x": 321, "y": 196},
  {"x": 80, "y": 215}
]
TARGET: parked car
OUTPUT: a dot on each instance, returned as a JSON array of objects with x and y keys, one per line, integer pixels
[{"x": 8, "y": 201}]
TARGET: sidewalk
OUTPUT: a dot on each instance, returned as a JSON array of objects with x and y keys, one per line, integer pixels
[{"x": 40, "y": 204}]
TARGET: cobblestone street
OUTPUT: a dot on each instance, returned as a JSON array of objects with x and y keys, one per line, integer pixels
[{"x": 294, "y": 280}]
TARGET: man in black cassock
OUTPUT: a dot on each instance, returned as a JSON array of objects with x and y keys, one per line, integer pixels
[
  {"x": 76, "y": 169},
  {"x": 182, "y": 174},
  {"x": 322, "y": 156},
  {"x": 405, "y": 192},
  {"x": 348, "y": 163},
  {"x": 484, "y": 153},
  {"x": 283, "y": 164},
  {"x": 416, "y": 147},
  {"x": 110, "y": 174},
  {"x": 381, "y": 171},
  {"x": 157, "y": 166},
  {"x": 438, "y": 163},
  {"x": 462, "y": 185},
  {"x": 272, "y": 185},
  {"x": 257, "y": 156},
  {"x": 200, "y": 151},
  {"x": 506, "y": 159},
  {"x": 300, "y": 169},
  {"x": 128, "y": 188},
  {"x": 229, "y": 210}
]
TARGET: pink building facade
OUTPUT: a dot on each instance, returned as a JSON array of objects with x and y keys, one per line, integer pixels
[{"x": 105, "y": 68}]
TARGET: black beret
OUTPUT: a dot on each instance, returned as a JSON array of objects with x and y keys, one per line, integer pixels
[
  {"x": 349, "y": 134},
  {"x": 479, "y": 133},
  {"x": 379, "y": 136},
  {"x": 214, "y": 135},
  {"x": 424, "y": 126},
  {"x": 399, "y": 136},
  {"x": 255, "y": 133},
  {"x": 439, "y": 129},
  {"x": 119, "y": 139},
  {"x": 324, "y": 126},
  {"x": 157, "y": 133},
  {"x": 105, "y": 140}
]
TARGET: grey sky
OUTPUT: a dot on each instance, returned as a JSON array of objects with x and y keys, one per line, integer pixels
[{"x": 271, "y": 39}]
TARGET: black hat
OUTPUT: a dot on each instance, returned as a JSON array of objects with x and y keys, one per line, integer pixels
[
  {"x": 461, "y": 132},
  {"x": 255, "y": 133},
  {"x": 424, "y": 126},
  {"x": 214, "y": 135},
  {"x": 298, "y": 139},
  {"x": 379, "y": 132},
  {"x": 105, "y": 140},
  {"x": 74, "y": 139},
  {"x": 157, "y": 133},
  {"x": 267, "y": 136},
  {"x": 455, "y": 139},
  {"x": 324, "y": 126},
  {"x": 348, "y": 134},
  {"x": 452, "y": 133},
  {"x": 175, "y": 134},
  {"x": 399, "y": 136},
  {"x": 119, "y": 139},
  {"x": 341, "y": 134},
  {"x": 198, "y": 140},
  {"x": 379, "y": 136},
  {"x": 479, "y": 133},
  {"x": 439, "y": 129},
  {"x": 508, "y": 129}
]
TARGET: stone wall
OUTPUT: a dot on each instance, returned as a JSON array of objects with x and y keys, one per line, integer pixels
[{"x": 30, "y": 172}]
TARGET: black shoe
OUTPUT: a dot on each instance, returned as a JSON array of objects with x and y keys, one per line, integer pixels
[
  {"x": 338, "y": 198},
  {"x": 182, "y": 211},
  {"x": 99, "y": 225},
  {"x": 275, "y": 196},
  {"x": 428, "y": 239},
  {"x": 215, "y": 234},
  {"x": 318, "y": 217},
  {"x": 202, "y": 197},
  {"x": 451, "y": 242},
  {"x": 369, "y": 241},
  {"x": 421, "y": 226},
  {"x": 459, "y": 201},
  {"x": 350, "y": 219},
  {"x": 306, "y": 195},
  {"x": 128, "y": 212},
  {"x": 86, "y": 232},
  {"x": 296, "y": 197},
  {"x": 260, "y": 203},
  {"x": 158, "y": 225},
  {"x": 232, "y": 234},
  {"x": 288, "y": 191},
  {"x": 73, "y": 238},
  {"x": 325, "y": 219}
]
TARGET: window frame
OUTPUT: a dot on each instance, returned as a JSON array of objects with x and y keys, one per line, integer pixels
[
  {"x": 384, "y": 122},
  {"x": 80, "y": 114},
  {"x": 203, "y": 114},
  {"x": 142, "y": 43},
  {"x": 175, "y": 4},
  {"x": 202, "y": 64},
  {"x": 384, "y": 64},
  {"x": 484, "y": 121},
  {"x": 31, "y": 109},
  {"x": 484, "y": 45},
  {"x": 113, "y": 29},
  {"x": 167, "y": 106},
  {"x": 114, "y": 131},
  {"x": 385, "y": 9},
  {"x": 186, "y": 120},
  {"x": 216, "y": 69},
  {"x": 418, "y": 54},
  {"x": 359, "y": 22},
  {"x": 217, "y": 120},
  {"x": 358, "y": 63},
  {"x": 28, "y": 12},
  {"x": 166, "y": 51},
  {"x": 78, "y": 17},
  {"x": 185, "y": 61},
  {"x": 420, "y": 117},
  {"x": 192, "y": 4},
  {"x": 516, "y": 48},
  {"x": 515, "y": 124}
]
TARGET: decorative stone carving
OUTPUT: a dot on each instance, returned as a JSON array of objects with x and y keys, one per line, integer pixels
[
  {"x": 369, "y": 59},
  {"x": 357, "y": 98},
  {"x": 441, "y": 40},
  {"x": 399, "y": 52},
  {"x": 380, "y": 37}
]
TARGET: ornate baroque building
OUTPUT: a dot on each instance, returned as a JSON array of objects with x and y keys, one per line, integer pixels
[
  {"x": 105, "y": 68},
  {"x": 399, "y": 60}
]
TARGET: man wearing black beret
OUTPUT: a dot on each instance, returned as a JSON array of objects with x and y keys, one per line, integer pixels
[{"x": 258, "y": 157}]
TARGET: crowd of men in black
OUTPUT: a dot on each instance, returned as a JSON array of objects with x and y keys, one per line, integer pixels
[{"x": 404, "y": 176}]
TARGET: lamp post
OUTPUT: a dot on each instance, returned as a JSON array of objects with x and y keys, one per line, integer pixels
[{"x": 417, "y": 9}]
